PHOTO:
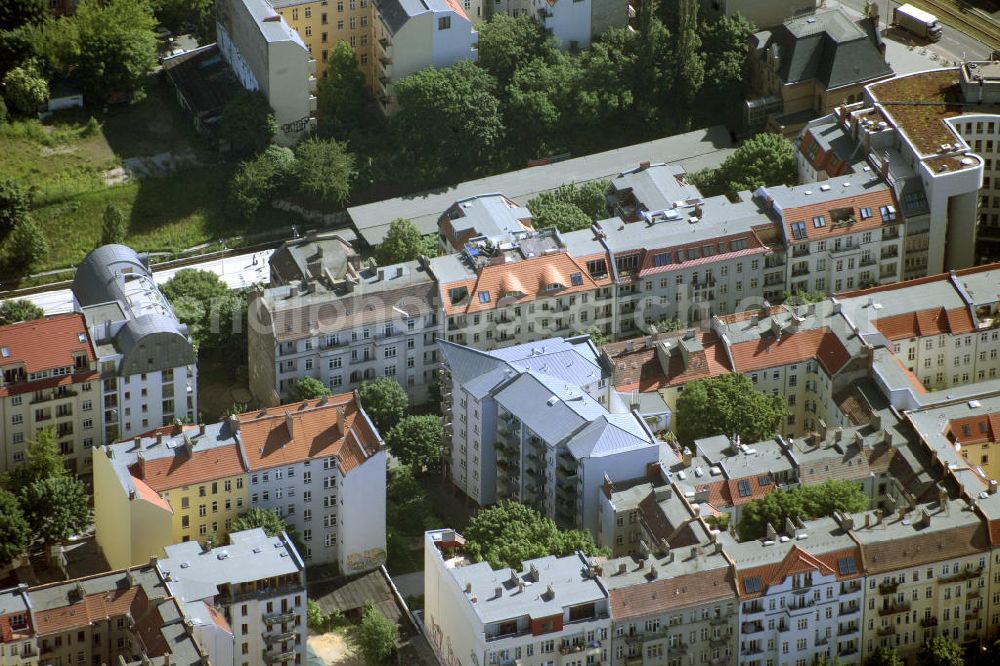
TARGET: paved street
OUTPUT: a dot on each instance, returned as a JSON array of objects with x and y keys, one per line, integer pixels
[{"x": 240, "y": 270}]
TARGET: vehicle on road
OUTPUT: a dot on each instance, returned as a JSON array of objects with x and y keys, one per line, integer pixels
[{"x": 918, "y": 22}]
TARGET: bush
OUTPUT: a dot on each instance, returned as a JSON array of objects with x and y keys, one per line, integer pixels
[
  {"x": 256, "y": 181},
  {"x": 376, "y": 635},
  {"x": 26, "y": 89},
  {"x": 27, "y": 246}
]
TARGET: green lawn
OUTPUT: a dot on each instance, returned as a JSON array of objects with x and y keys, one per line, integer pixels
[{"x": 65, "y": 167}]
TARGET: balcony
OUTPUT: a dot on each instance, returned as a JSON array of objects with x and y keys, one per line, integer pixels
[
  {"x": 928, "y": 622},
  {"x": 751, "y": 650},
  {"x": 852, "y": 586},
  {"x": 847, "y": 630},
  {"x": 54, "y": 394},
  {"x": 849, "y": 610},
  {"x": 963, "y": 575},
  {"x": 887, "y": 630},
  {"x": 277, "y": 618},
  {"x": 280, "y": 657},
  {"x": 847, "y": 651},
  {"x": 867, "y": 261},
  {"x": 891, "y": 233},
  {"x": 271, "y": 639},
  {"x": 719, "y": 620},
  {"x": 890, "y": 252},
  {"x": 800, "y": 251},
  {"x": 892, "y": 609},
  {"x": 888, "y": 588}
]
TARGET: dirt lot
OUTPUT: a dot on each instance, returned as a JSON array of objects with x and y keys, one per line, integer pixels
[{"x": 334, "y": 649}]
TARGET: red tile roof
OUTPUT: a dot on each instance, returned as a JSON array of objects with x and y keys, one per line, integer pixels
[
  {"x": 335, "y": 426},
  {"x": 979, "y": 429},
  {"x": 143, "y": 490},
  {"x": 185, "y": 469},
  {"x": 922, "y": 323},
  {"x": 796, "y": 561},
  {"x": 64, "y": 337},
  {"x": 853, "y": 202},
  {"x": 529, "y": 277},
  {"x": 654, "y": 597},
  {"x": 92, "y": 608},
  {"x": 641, "y": 368},
  {"x": 724, "y": 494},
  {"x": 768, "y": 351}
]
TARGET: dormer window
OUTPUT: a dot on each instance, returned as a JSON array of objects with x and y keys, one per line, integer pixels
[
  {"x": 553, "y": 286},
  {"x": 484, "y": 297}
]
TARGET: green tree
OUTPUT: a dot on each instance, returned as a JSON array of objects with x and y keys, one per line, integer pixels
[
  {"x": 596, "y": 335},
  {"x": 562, "y": 215},
  {"x": 341, "y": 93},
  {"x": 307, "y": 388},
  {"x": 376, "y": 636},
  {"x": 726, "y": 43},
  {"x": 763, "y": 159},
  {"x": 117, "y": 47},
  {"x": 546, "y": 106},
  {"x": 507, "y": 43},
  {"x": 13, "y": 311},
  {"x": 176, "y": 14},
  {"x": 508, "y": 533},
  {"x": 202, "y": 300},
  {"x": 884, "y": 656},
  {"x": 653, "y": 56},
  {"x": 266, "y": 519},
  {"x": 687, "y": 62},
  {"x": 803, "y": 502},
  {"x": 667, "y": 325},
  {"x": 569, "y": 207},
  {"x": 114, "y": 226},
  {"x": 42, "y": 461},
  {"x": 27, "y": 245},
  {"x": 941, "y": 651},
  {"x": 15, "y": 533},
  {"x": 25, "y": 88},
  {"x": 248, "y": 123},
  {"x": 449, "y": 121},
  {"x": 315, "y": 617},
  {"x": 15, "y": 13},
  {"x": 15, "y": 204},
  {"x": 56, "y": 508},
  {"x": 416, "y": 442},
  {"x": 725, "y": 405},
  {"x": 610, "y": 73},
  {"x": 258, "y": 180},
  {"x": 803, "y": 297},
  {"x": 385, "y": 402},
  {"x": 402, "y": 242},
  {"x": 323, "y": 168}
]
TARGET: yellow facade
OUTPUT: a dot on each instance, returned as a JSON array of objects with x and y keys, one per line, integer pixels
[
  {"x": 206, "y": 509},
  {"x": 322, "y": 24}
]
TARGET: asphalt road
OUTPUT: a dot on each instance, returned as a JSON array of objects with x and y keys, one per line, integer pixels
[{"x": 953, "y": 41}]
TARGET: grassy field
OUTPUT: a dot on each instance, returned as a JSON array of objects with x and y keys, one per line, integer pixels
[{"x": 64, "y": 161}]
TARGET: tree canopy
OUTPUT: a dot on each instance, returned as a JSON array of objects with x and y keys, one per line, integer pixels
[
  {"x": 56, "y": 508},
  {"x": 341, "y": 93},
  {"x": 15, "y": 13},
  {"x": 727, "y": 405},
  {"x": 941, "y": 651},
  {"x": 763, "y": 159},
  {"x": 449, "y": 121},
  {"x": 117, "y": 47},
  {"x": 248, "y": 123},
  {"x": 376, "y": 636},
  {"x": 16, "y": 310},
  {"x": 114, "y": 226},
  {"x": 385, "y": 402},
  {"x": 323, "y": 168},
  {"x": 402, "y": 242},
  {"x": 508, "y": 533},
  {"x": 266, "y": 519},
  {"x": 25, "y": 88},
  {"x": 803, "y": 502},
  {"x": 569, "y": 207},
  {"x": 884, "y": 656},
  {"x": 307, "y": 388},
  {"x": 27, "y": 245},
  {"x": 214, "y": 313},
  {"x": 15, "y": 533},
  {"x": 416, "y": 441},
  {"x": 15, "y": 204},
  {"x": 258, "y": 179},
  {"x": 506, "y": 43}
]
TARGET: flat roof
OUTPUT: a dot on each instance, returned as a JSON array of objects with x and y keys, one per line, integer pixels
[{"x": 692, "y": 151}]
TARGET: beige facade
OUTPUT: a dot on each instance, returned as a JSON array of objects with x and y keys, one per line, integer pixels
[{"x": 322, "y": 24}]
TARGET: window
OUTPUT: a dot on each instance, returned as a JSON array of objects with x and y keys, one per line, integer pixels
[
  {"x": 444, "y": 23},
  {"x": 819, "y": 221},
  {"x": 888, "y": 213},
  {"x": 866, "y": 213},
  {"x": 798, "y": 230}
]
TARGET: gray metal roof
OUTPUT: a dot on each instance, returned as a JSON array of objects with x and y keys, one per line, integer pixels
[
  {"x": 272, "y": 30},
  {"x": 487, "y": 215},
  {"x": 657, "y": 186},
  {"x": 693, "y": 151},
  {"x": 97, "y": 276},
  {"x": 608, "y": 435}
]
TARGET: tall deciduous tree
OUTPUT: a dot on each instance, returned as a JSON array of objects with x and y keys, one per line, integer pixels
[
  {"x": 507, "y": 43},
  {"x": 257, "y": 180},
  {"x": 402, "y": 242},
  {"x": 15, "y": 203},
  {"x": 15, "y": 533},
  {"x": 884, "y": 656},
  {"x": 726, "y": 43},
  {"x": 941, "y": 651},
  {"x": 688, "y": 64},
  {"x": 323, "y": 168},
  {"x": 341, "y": 92},
  {"x": 15, "y": 13},
  {"x": 13, "y": 311},
  {"x": 763, "y": 159},
  {"x": 117, "y": 47},
  {"x": 248, "y": 123},
  {"x": 214, "y": 313},
  {"x": 652, "y": 61},
  {"x": 803, "y": 502},
  {"x": 449, "y": 121},
  {"x": 508, "y": 533},
  {"x": 266, "y": 519},
  {"x": 416, "y": 442},
  {"x": 113, "y": 225},
  {"x": 376, "y": 635},
  {"x": 385, "y": 402},
  {"x": 307, "y": 388},
  {"x": 25, "y": 88},
  {"x": 727, "y": 405},
  {"x": 56, "y": 508},
  {"x": 569, "y": 207},
  {"x": 27, "y": 246}
]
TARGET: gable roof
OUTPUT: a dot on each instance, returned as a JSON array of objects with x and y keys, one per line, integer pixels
[
  {"x": 64, "y": 335},
  {"x": 185, "y": 468},
  {"x": 770, "y": 351},
  {"x": 648, "y": 598}
]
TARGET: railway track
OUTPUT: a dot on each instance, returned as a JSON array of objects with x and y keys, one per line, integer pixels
[{"x": 975, "y": 24}]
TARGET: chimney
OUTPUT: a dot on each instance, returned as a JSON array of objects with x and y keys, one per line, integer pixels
[
  {"x": 533, "y": 572},
  {"x": 883, "y": 168},
  {"x": 643, "y": 165},
  {"x": 159, "y": 438},
  {"x": 868, "y": 519},
  {"x": 622, "y": 568},
  {"x": 821, "y": 429},
  {"x": 290, "y": 425},
  {"x": 838, "y": 434},
  {"x": 201, "y": 429},
  {"x": 497, "y": 592},
  {"x": 468, "y": 588},
  {"x": 652, "y": 572},
  {"x": 878, "y": 516},
  {"x": 550, "y": 590},
  {"x": 234, "y": 422},
  {"x": 993, "y": 487},
  {"x": 141, "y": 459},
  {"x": 925, "y": 517},
  {"x": 686, "y": 456}
]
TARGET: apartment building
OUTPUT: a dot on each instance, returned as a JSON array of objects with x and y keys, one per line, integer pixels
[
  {"x": 807, "y": 65},
  {"x": 552, "y": 608},
  {"x": 268, "y": 55},
  {"x": 185, "y": 484},
  {"x": 55, "y": 384},
  {"x": 673, "y": 605},
  {"x": 322, "y": 25},
  {"x": 926, "y": 571},
  {"x": 149, "y": 376},
  {"x": 524, "y": 423},
  {"x": 801, "y": 594},
  {"x": 411, "y": 35},
  {"x": 321, "y": 465},
  {"x": 935, "y": 173},
  {"x": 253, "y": 592},
  {"x": 344, "y": 324},
  {"x": 486, "y": 216},
  {"x": 125, "y": 617}
]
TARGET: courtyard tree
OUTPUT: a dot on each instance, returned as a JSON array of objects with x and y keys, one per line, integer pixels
[
  {"x": 56, "y": 508},
  {"x": 16, "y": 310},
  {"x": 248, "y": 123},
  {"x": 402, "y": 242},
  {"x": 803, "y": 502},
  {"x": 416, "y": 441},
  {"x": 323, "y": 168},
  {"x": 726, "y": 405},
  {"x": 341, "y": 93},
  {"x": 376, "y": 636},
  {"x": 307, "y": 388},
  {"x": 116, "y": 47},
  {"x": 15, "y": 533},
  {"x": 385, "y": 402}
]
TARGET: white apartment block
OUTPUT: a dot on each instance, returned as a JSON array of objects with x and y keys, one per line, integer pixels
[
  {"x": 257, "y": 583},
  {"x": 342, "y": 323},
  {"x": 321, "y": 465},
  {"x": 267, "y": 55},
  {"x": 524, "y": 423},
  {"x": 552, "y": 610},
  {"x": 412, "y": 35},
  {"x": 55, "y": 383},
  {"x": 147, "y": 364}
]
